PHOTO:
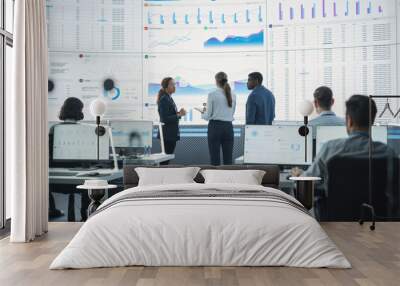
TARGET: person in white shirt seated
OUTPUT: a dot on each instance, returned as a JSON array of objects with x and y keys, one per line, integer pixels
[{"x": 323, "y": 102}]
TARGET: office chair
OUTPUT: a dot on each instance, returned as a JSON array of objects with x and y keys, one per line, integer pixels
[{"x": 348, "y": 189}]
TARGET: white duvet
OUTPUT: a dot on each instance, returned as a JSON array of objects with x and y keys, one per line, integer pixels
[{"x": 200, "y": 232}]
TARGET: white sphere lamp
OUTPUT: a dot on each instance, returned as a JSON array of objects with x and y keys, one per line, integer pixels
[
  {"x": 306, "y": 108},
  {"x": 98, "y": 107}
]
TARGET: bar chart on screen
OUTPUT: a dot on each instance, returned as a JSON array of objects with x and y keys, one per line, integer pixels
[
  {"x": 204, "y": 26},
  {"x": 349, "y": 45},
  {"x": 285, "y": 10}
]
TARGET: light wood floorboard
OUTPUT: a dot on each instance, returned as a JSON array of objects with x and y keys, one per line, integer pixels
[{"x": 375, "y": 257}]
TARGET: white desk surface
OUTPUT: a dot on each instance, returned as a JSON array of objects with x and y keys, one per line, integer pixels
[
  {"x": 305, "y": 179},
  {"x": 239, "y": 160},
  {"x": 56, "y": 177},
  {"x": 105, "y": 174},
  {"x": 150, "y": 159}
]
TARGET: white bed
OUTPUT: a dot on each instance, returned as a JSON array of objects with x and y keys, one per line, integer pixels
[{"x": 201, "y": 231}]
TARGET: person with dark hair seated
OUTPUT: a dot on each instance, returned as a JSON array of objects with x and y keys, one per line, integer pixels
[
  {"x": 323, "y": 102},
  {"x": 356, "y": 145},
  {"x": 260, "y": 106},
  {"x": 71, "y": 112}
]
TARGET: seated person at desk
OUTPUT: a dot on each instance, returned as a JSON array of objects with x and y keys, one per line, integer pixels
[
  {"x": 357, "y": 144},
  {"x": 70, "y": 113},
  {"x": 323, "y": 102}
]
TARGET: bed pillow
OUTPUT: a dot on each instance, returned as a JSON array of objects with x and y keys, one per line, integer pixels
[
  {"x": 248, "y": 177},
  {"x": 166, "y": 176}
]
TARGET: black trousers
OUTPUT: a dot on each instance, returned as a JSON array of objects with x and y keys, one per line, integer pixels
[
  {"x": 320, "y": 204},
  {"x": 70, "y": 190},
  {"x": 220, "y": 134},
  {"x": 169, "y": 149}
]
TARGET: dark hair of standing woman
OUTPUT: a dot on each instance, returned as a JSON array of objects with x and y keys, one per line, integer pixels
[
  {"x": 222, "y": 81},
  {"x": 164, "y": 85},
  {"x": 71, "y": 109}
]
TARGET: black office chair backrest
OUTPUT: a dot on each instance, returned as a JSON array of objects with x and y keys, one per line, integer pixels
[{"x": 348, "y": 187}]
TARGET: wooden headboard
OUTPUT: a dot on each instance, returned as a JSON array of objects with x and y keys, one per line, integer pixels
[{"x": 270, "y": 179}]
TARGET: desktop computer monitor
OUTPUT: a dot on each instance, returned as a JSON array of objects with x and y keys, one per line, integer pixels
[
  {"x": 78, "y": 142},
  {"x": 132, "y": 134},
  {"x": 280, "y": 145},
  {"x": 327, "y": 133}
]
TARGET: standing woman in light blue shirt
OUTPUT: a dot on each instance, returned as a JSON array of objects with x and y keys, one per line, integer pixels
[{"x": 221, "y": 105}]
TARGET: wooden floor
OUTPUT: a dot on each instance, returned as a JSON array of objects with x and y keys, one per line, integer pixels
[{"x": 375, "y": 257}]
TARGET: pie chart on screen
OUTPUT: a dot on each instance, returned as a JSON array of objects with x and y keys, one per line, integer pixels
[{"x": 111, "y": 90}]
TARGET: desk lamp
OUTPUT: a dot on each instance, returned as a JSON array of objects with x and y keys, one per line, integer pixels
[
  {"x": 98, "y": 108},
  {"x": 305, "y": 109}
]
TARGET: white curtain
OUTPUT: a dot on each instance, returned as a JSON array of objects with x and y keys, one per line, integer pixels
[{"x": 27, "y": 150}]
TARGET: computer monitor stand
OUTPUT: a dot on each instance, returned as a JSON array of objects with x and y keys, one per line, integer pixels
[
  {"x": 113, "y": 150},
  {"x": 160, "y": 124}
]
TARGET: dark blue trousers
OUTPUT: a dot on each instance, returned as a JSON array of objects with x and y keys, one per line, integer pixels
[{"x": 220, "y": 135}]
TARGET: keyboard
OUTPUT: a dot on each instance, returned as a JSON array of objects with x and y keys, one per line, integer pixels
[
  {"x": 92, "y": 174},
  {"x": 81, "y": 169},
  {"x": 69, "y": 174},
  {"x": 158, "y": 155},
  {"x": 62, "y": 174}
]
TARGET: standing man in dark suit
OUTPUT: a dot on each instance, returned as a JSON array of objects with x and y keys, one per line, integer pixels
[
  {"x": 169, "y": 115},
  {"x": 260, "y": 106}
]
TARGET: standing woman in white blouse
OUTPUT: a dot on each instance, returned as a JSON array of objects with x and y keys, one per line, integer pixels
[{"x": 221, "y": 105}]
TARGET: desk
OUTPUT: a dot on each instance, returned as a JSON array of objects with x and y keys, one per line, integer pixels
[
  {"x": 68, "y": 177},
  {"x": 239, "y": 160},
  {"x": 151, "y": 160},
  {"x": 65, "y": 176}
]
